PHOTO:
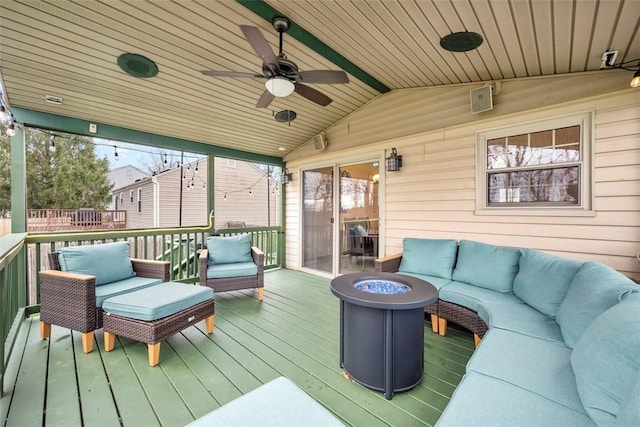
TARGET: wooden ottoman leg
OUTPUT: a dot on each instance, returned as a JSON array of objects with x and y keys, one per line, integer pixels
[
  {"x": 45, "y": 330},
  {"x": 109, "y": 340},
  {"x": 260, "y": 293},
  {"x": 87, "y": 342},
  {"x": 434, "y": 323},
  {"x": 442, "y": 326},
  {"x": 476, "y": 339},
  {"x": 209, "y": 322},
  {"x": 154, "y": 354}
]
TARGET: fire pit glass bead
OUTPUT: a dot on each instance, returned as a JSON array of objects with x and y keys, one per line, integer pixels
[{"x": 382, "y": 287}]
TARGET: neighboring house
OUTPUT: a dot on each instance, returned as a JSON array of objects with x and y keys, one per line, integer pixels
[
  {"x": 121, "y": 177},
  {"x": 178, "y": 197}
]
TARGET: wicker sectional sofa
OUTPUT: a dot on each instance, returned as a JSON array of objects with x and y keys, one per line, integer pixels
[{"x": 558, "y": 339}]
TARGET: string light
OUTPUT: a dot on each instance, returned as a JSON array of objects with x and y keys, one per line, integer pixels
[
  {"x": 225, "y": 196},
  {"x": 11, "y": 129},
  {"x": 3, "y": 112},
  {"x": 115, "y": 154}
]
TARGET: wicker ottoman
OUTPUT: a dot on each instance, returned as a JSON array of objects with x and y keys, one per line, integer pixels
[{"x": 153, "y": 314}]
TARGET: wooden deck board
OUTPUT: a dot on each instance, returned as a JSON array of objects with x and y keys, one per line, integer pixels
[{"x": 293, "y": 332}]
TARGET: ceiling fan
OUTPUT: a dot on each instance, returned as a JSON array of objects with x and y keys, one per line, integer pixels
[{"x": 282, "y": 74}]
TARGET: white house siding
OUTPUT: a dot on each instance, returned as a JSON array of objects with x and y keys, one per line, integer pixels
[{"x": 434, "y": 195}]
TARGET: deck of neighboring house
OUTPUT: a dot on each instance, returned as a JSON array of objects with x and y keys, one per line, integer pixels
[{"x": 294, "y": 333}]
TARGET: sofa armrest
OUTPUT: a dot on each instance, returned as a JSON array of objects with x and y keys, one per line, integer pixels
[
  {"x": 68, "y": 300},
  {"x": 152, "y": 269},
  {"x": 202, "y": 266},
  {"x": 389, "y": 264}
]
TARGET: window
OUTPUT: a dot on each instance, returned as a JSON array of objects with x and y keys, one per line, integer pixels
[
  {"x": 542, "y": 166},
  {"x": 121, "y": 199},
  {"x": 131, "y": 196},
  {"x": 231, "y": 163},
  {"x": 139, "y": 199}
]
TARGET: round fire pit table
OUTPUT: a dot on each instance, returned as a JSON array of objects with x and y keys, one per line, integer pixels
[{"x": 382, "y": 328}]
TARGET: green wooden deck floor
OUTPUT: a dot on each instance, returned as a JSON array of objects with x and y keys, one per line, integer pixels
[{"x": 292, "y": 333}]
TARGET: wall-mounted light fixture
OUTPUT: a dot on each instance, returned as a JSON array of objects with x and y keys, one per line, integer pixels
[
  {"x": 394, "y": 162},
  {"x": 286, "y": 176}
]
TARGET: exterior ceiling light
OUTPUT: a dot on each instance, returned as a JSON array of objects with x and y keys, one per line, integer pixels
[
  {"x": 462, "y": 41},
  {"x": 285, "y": 116},
  {"x": 635, "y": 81},
  {"x": 137, "y": 65},
  {"x": 280, "y": 86}
]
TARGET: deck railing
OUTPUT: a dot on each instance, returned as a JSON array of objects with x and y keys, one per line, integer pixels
[
  {"x": 12, "y": 294},
  {"x": 44, "y": 220}
]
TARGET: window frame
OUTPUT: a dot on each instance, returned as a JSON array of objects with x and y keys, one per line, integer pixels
[
  {"x": 139, "y": 200},
  {"x": 130, "y": 197},
  {"x": 585, "y": 192}
]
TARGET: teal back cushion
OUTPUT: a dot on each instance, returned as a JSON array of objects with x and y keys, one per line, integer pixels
[
  {"x": 229, "y": 250},
  {"x": 431, "y": 257},
  {"x": 488, "y": 266},
  {"x": 543, "y": 280},
  {"x": 109, "y": 262},
  {"x": 594, "y": 289},
  {"x": 606, "y": 360}
]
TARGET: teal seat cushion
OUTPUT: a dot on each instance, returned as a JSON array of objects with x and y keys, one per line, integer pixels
[
  {"x": 238, "y": 269},
  {"x": 472, "y": 296},
  {"x": 606, "y": 360},
  {"x": 483, "y": 401},
  {"x": 520, "y": 318},
  {"x": 540, "y": 366},
  {"x": 488, "y": 266},
  {"x": 431, "y": 257},
  {"x": 122, "y": 287},
  {"x": 629, "y": 414},
  {"x": 157, "y": 301},
  {"x": 543, "y": 280},
  {"x": 277, "y": 403},
  {"x": 229, "y": 250},
  {"x": 108, "y": 262},
  {"x": 437, "y": 282},
  {"x": 594, "y": 289}
]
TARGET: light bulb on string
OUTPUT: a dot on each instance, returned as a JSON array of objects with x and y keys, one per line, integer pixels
[
  {"x": 225, "y": 196},
  {"x": 115, "y": 153},
  {"x": 11, "y": 129}
]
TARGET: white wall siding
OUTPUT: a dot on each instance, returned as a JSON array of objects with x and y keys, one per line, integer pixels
[{"x": 434, "y": 195}]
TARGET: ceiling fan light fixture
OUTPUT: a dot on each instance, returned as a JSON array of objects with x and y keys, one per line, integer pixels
[
  {"x": 280, "y": 86},
  {"x": 635, "y": 81},
  {"x": 462, "y": 41}
]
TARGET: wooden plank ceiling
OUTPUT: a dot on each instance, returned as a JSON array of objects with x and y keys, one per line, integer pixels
[{"x": 69, "y": 48}]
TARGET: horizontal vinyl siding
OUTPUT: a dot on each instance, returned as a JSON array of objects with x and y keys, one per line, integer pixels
[{"x": 434, "y": 195}]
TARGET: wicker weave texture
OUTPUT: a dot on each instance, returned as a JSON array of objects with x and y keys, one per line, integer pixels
[
  {"x": 154, "y": 331},
  {"x": 462, "y": 316},
  {"x": 233, "y": 283},
  {"x": 69, "y": 300}
]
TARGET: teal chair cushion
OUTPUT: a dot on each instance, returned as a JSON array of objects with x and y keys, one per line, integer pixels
[
  {"x": 543, "y": 280},
  {"x": 629, "y": 414},
  {"x": 108, "y": 262},
  {"x": 157, "y": 301},
  {"x": 122, "y": 287},
  {"x": 606, "y": 360},
  {"x": 430, "y": 257},
  {"x": 238, "y": 269},
  {"x": 594, "y": 289},
  {"x": 229, "y": 250},
  {"x": 488, "y": 266},
  {"x": 277, "y": 403},
  {"x": 437, "y": 282},
  {"x": 472, "y": 296}
]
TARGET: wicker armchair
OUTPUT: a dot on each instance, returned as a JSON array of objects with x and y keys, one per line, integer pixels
[
  {"x": 391, "y": 264},
  {"x": 441, "y": 311},
  {"x": 234, "y": 283},
  {"x": 69, "y": 299}
]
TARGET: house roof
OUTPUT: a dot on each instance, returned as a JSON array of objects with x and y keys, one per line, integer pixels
[
  {"x": 125, "y": 175},
  {"x": 70, "y": 49}
]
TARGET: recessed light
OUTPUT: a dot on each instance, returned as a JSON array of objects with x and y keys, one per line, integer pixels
[
  {"x": 285, "y": 116},
  {"x": 462, "y": 41},
  {"x": 282, "y": 149}
]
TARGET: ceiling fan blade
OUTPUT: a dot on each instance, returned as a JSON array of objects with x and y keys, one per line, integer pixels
[
  {"x": 324, "y": 76},
  {"x": 231, "y": 74},
  {"x": 260, "y": 45},
  {"x": 313, "y": 95},
  {"x": 265, "y": 99}
]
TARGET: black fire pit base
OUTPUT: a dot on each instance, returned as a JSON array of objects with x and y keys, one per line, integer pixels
[{"x": 382, "y": 336}]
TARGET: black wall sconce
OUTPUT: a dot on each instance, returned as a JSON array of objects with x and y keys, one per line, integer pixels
[
  {"x": 394, "y": 162},
  {"x": 286, "y": 176}
]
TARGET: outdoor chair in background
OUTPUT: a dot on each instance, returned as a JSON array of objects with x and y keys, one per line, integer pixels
[{"x": 231, "y": 264}]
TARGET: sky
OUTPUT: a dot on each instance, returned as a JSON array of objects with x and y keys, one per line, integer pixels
[{"x": 136, "y": 155}]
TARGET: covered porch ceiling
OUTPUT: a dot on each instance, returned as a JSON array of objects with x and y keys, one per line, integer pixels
[{"x": 69, "y": 49}]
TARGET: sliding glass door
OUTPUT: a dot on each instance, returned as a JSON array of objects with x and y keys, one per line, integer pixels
[{"x": 317, "y": 219}]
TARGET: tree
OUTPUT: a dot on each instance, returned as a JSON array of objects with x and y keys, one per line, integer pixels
[
  {"x": 64, "y": 172},
  {"x": 5, "y": 171}
]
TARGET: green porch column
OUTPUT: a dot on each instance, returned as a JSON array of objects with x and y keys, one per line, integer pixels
[
  {"x": 211, "y": 169},
  {"x": 18, "y": 181}
]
